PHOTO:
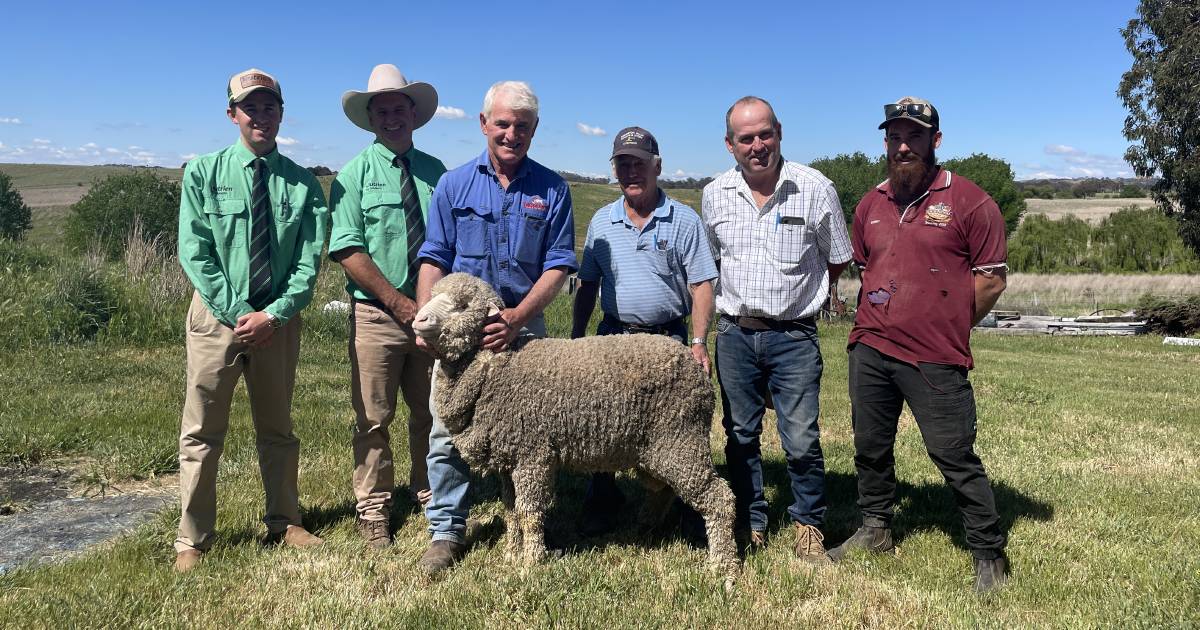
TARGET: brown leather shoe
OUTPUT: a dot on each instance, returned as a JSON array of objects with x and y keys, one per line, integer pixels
[
  {"x": 377, "y": 533},
  {"x": 809, "y": 545},
  {"x": 187, "y": 560},
  {"x": 441, "y": 556},
  {"x": 299, "y": 538}
]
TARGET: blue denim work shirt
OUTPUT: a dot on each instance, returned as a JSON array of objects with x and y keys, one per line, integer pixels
[{"x": 506, "y": 237}]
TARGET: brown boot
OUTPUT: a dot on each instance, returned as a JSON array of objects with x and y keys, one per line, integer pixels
[
  {"x": 187, "y": 560},
  {"x": 294, "y": 536},
  {"x": 441, "y": 556},
  {"x": 809, "y": 545},
  {"x": 376, "y": 533}
]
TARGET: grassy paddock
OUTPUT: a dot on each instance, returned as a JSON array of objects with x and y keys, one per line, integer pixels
[{"x": 1092, "y": 454}]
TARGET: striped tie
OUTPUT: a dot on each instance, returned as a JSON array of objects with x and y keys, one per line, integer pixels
[
  {"x": 412, "y": 216},
  {"x": 260, "y": 238}
]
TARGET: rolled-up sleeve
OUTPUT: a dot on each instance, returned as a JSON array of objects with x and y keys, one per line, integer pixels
[
  {"x": 561, "y": 217},
  {"x": 345, "y": 204},
  {"x": 440, "y": 234}
]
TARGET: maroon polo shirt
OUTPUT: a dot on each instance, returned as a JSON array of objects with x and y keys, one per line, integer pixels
[{"x": 918, "y": 287}]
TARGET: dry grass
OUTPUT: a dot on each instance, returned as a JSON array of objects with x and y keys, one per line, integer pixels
[{"x": 1091, "y": 210}]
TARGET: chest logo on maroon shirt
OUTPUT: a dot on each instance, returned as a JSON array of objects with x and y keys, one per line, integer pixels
[
  {"x": 938, "y": 215},
  {"x": 536, "y": 203}
]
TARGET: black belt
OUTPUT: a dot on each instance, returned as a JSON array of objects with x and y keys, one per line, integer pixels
[
  {"x": 764, "y": 323},
  {"x": 664, "y": 328},
  {"x": 376, "y": 303}
]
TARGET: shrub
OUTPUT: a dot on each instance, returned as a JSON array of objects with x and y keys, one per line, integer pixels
[
  {"x": 15, "y": 216},
  {"x": 108, "y": 212},
  {"x": 853, "y": 176},
  {"x": 996, "y": 177},
  {"x": 1170, "y": 316}
]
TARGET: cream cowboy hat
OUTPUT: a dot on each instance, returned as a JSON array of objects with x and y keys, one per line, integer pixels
[{"x": 387, "y": 78}]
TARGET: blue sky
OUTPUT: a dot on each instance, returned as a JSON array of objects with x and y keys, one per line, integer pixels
[{"x": 1033, "y": 83}]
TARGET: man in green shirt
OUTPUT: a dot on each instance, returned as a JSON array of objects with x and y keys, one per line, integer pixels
[
  {"x": 251, "y": 226},
  {"x": 380, "y": 200}
]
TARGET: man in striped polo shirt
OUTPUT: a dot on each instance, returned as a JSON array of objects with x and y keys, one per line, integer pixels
[
  {"x": 648, "y": 257},
  {"x": 778, "y": 233},
  {"x": 379, "y": 201},
  {"x": 251, "y": 227}
]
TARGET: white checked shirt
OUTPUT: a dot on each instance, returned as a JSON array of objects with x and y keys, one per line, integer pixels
[{"x": 774, "y": 260}]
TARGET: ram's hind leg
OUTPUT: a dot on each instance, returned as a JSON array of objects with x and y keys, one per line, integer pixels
[
  {"x": 656, "y": 504},
  {"x": 690, "y": 472},
  {"x": 533, "y": 486},
  {"x": 512, "y": 524}
]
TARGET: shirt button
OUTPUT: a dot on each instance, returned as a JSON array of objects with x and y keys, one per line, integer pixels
[{"x": 504, "y": 264}]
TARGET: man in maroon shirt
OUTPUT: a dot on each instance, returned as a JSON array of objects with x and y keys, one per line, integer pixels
[{"x": 931, "y": 248}]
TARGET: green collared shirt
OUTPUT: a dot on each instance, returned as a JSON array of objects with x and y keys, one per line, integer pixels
[
  {"x": 368, "y": 212},
  {"x": 214, "y": 232}
]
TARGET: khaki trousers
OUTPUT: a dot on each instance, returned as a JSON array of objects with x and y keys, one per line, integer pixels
[
  {"x": 384, "y": 357},
  {"x": 215, "y": 361}
]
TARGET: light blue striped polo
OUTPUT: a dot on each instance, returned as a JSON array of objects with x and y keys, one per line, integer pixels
[{"x": 644, "y": 274}]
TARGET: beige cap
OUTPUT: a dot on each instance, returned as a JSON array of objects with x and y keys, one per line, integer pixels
[
  {"x": 911, "y": 108},
  {"x": 387, "y": 78},
  {"x": 247, "y": 81}
]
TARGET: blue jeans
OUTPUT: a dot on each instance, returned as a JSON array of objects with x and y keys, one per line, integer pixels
[
  {"x": 787, "y": 364},
  {"x": 449, "y": 475}
]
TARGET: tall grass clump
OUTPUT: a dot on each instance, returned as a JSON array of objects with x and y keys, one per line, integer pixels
[{"x": 154, "y": 294}]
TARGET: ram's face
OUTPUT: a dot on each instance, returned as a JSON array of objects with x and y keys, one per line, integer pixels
[{"x": 453, "y": 323}]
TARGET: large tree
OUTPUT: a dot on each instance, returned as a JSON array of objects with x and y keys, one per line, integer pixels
[{"x": 1162, "y": 92}]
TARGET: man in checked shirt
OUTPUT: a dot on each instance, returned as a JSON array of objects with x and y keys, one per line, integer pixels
[
  {"x": 379, "y": 200},
  {"x": 779, "y": 236}
]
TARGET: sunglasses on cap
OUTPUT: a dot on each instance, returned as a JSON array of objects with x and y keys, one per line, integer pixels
[{"x": 915, "y": 110}]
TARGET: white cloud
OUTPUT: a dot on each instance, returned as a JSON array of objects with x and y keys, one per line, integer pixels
[
  {"x": 1044, "y": 175},
  {"x": 112, "y": 151},
  {"x": 682, "y": 174},
  {"x": 41, "y": 141},
  {"x": 449, "y": 113},
  {"x": 286, "y": 141},
  {"x": 187, "y": 157},
  {"x": 1062, "y": 149},
  {"x": 589, "y": 130},
  {"x": 10, "y": 121}
]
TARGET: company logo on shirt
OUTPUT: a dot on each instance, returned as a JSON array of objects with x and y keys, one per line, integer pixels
[
  {"x": 374, "y": 186},
  {"x": 536, "y": 203},
  {"x": 938, "y": 215}
]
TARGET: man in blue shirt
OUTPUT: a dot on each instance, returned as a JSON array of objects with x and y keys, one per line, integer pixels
[
  {"x": 506, "y": 219},
  {"x": 648, "y": 257}
]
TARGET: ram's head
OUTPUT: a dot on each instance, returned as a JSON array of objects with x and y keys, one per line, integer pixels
[{"x": 453, "y": 320}]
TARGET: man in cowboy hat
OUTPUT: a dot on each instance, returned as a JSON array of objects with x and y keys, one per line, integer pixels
[
  {"x": 380, "y": 200},
  {"x": 251, "y": 227}
]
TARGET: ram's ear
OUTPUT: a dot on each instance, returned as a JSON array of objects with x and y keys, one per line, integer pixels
[{"x": 493, "y": 311}]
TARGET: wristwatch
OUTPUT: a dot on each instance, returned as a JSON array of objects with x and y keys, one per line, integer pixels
[
  {"x": 275, "y": 323},
  {"x": 699, "y": 341}
]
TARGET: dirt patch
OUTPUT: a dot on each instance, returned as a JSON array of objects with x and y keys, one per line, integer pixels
[
  {"x": 46, "y": 515},
  {"x": 52, "y": 195}
]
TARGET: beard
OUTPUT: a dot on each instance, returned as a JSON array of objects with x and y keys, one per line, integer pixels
[{"x": 910, "y": 181}]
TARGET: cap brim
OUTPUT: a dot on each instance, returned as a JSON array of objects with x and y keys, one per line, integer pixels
[
  {"x": 424, "y": 98},
  {"x": 645, "y": 155}
]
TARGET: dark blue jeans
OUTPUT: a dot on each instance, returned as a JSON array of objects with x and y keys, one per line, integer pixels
[{"x": 787, "y": 364}]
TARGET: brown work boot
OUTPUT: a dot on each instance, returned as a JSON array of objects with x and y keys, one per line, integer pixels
[
  {"x": 809, "y": 545},
  {"x": 441, "y": 555},
  {"x": 294, "y": 536},
  {"x": 375, "y": 532},
  {"x": 873, "y": 539},
  {"x": 187, "y": 560}
]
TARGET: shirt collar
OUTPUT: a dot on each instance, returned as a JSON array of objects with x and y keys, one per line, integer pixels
[
  {"x": 484, "y": 165},
  {"x": 663, "y": 210},
  {"x": 246, "y": 157},
  {"x": 389, "y": 156}
]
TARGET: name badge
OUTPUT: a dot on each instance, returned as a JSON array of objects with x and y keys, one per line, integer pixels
[{"x": 791, "y": 220}]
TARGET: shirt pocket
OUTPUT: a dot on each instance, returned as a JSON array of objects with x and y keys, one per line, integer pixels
[
  {"x": 471, "y": 230},
  {"x": 383, "y": 213},
  {"x": 290, "y": 204},
  {"x": 227, "y": 218},
  {"x": 790, "y": 242},
  {"x": 531, "y": 235},
  {"x": 662, "y": 261}
]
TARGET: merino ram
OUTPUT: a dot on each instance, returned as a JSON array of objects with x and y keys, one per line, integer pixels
[{"x": 587, "y": 405}]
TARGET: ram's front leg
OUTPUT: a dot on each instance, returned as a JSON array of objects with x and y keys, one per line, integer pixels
[
  {"x": 534, "y": 488},
  {"x": 512, "y": 524}
]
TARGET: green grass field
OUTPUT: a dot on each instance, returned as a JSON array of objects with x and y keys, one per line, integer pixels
[{"x": 1091, "y": 444}]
